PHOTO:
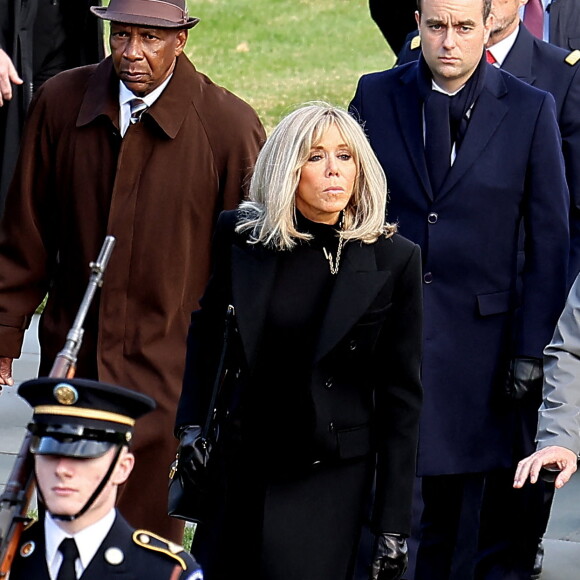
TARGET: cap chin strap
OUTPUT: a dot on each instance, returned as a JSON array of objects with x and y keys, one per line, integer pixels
[{"x": 91, "y": 500}]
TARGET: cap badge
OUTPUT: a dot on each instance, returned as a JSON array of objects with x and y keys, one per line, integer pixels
[
  {"x": 65, "y": 394},
  {"x": 114, "y": 556},
  {"x": 27, "y": 549}
]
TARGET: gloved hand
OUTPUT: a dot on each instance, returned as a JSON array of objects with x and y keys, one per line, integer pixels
[
  {"x": 525, "y": 376},
  {"x": 390, "y": 557},
  {"x": 193, "y": 455}
]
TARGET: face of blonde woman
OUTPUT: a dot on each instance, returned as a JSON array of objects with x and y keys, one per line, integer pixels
[{"x": 327, "y": 179}]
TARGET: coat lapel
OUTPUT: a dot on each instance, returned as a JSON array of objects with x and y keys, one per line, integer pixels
[
  {"x": 519, "y": 59},
  {"x": 410, "y": 119},
  {"x": 253, "y": 273},
  {"x": 488, "y": 112},
  {"x": 357, "y": 283}
]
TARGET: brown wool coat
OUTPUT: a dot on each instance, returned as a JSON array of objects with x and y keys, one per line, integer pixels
[{"x": 158, "y": 191}]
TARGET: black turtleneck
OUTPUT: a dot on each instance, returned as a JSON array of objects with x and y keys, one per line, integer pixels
[{"x": 279, "y": 405}]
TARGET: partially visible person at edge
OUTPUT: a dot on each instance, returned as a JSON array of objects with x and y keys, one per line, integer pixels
[
  {"x": 471, "y": 154},
  {"x": 394, "y": 19},
  {"x": 327, "y": 394},
  {"x": 81, "y": 433},
  {"x": 38, "y": 39},
  {"x": 558, "y": 436},
  {"x": 91, "y": 164}
]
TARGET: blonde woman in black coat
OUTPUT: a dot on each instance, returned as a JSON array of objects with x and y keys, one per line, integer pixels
[{"x": 325, "y": 361}]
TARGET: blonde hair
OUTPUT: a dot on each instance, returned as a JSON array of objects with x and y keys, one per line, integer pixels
[{"x": 269, "y": 214}]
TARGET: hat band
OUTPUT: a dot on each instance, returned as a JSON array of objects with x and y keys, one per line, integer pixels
[
  {"x": 152, "y": 9},
  {"x": 84, "y": 414}
]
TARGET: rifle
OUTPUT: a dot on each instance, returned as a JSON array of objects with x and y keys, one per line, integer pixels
[{"x": 16, "y": 498}]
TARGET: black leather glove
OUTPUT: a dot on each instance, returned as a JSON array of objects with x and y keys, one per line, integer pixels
[
  {"x": 525, "y": 376},
  {"x": 193, "y": 455},
  {"x": 390, "y": 557}
]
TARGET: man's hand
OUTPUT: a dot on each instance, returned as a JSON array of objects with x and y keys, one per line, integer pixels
[
  {"x": 553, "y": 457},
  {"x": 525, "y": 376},
  {"x": 8, "y": 75},
  {"x": 6, "y": 371}
]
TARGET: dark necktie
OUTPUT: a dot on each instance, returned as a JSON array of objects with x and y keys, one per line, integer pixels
[
  {"x": 70, "y": 553},
  {"x": 534, "y": 17},
  {"x": 138, "y": 107}
]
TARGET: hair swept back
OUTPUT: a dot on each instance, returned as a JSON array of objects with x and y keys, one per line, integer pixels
[{"x": 269, "y": 214}]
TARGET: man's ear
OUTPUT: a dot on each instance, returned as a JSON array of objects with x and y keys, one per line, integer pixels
[
  {"x": 124, "y": 467},
  {"x": 181, "y": 39}
]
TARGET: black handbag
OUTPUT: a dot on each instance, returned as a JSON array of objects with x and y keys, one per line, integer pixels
[{"x": 187, "y": 499}]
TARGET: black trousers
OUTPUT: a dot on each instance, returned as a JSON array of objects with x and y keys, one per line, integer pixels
[{"x": 449, "y": 535}]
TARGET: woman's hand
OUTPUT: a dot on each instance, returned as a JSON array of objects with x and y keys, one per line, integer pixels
[{"x": 390, "y": 557}]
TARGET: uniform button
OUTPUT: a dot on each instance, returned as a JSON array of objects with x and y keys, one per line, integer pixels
[
  {"x": 428, "y": 277},
  {"x": 432, "y": 218},
  {"x": 352, "y": 345},
  {"x": 331, "y": 426},
  {"x": 328, "y": 383}
]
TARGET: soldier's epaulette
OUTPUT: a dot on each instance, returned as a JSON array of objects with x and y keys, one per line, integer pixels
[
  {"x": 29, "y": 524},
  {"x": 156, "y": 543},
  {"x": 573, "y": 57},
  {"x": 415, "y": 42}
]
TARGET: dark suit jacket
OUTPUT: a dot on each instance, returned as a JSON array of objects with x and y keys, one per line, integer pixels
[
  {"x": 544, "y": 66},
  {"x": 565, "y": 23},
  {"x": 509, "y": 169},
  {"x": 364, "y": 383},
  {"x": 142, "y": 560}
]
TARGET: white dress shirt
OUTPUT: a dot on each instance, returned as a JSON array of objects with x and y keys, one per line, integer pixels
[
  {"x": 500, "y": 50},
  {"x": 87, "y": 541}
]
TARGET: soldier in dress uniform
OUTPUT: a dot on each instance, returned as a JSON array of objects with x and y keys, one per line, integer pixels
[{"x": 81, "y": 434}]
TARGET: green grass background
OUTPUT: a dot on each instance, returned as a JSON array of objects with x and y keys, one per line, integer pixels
[{"x": 276, "y": 54}]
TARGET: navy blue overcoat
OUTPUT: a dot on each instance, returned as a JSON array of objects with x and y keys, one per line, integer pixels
[{"x": 508, "y": 170}]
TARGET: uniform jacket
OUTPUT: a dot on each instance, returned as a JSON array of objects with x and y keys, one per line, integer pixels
[
  {"x": 17, "y": 17},
  {"x": 551, "y": 69},
  {"x": 559, "y": 421},
  {"x": 158, "y": 191},
  {"x": 508, "y": 170},
  {"x": 369, "y": 345},
  {"x": 144, "y": 557}
]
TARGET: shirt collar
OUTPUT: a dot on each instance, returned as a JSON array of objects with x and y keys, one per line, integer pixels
[
  {"x": 437, "y": 88},
  {"x": 502, "y": 48},
  {"x": 88, "y": 541},
  {"x": 125, "y": 95}
]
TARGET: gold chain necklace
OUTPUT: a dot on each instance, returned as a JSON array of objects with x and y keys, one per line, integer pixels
[{"x": 334, "y": 264}]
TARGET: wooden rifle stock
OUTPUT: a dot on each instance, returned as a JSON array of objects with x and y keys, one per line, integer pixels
[{"x": 18, "y": 493}]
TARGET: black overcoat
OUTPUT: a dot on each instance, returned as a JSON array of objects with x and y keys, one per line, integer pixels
[
  {"x": 365, "y": 391},
  {"x": 84, "y": 45}
]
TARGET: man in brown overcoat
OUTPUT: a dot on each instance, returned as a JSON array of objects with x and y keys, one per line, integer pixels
[{"x": 92, "y": 164}]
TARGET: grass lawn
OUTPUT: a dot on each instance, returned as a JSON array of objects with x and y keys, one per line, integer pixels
[{"x": 276, "y": 54}]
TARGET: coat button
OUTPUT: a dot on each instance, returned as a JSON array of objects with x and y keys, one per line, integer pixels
[
  {"x": 328, "y": 383},
  {"x": 432, "y": 218},
  {"x": 428, "y": 277},
  {"x": 331, "y": 427},
  {"x": 352, "y": 345}
]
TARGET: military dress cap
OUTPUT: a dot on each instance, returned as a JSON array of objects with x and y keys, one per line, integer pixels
[
  {"x": 80, "y": 417},
  {"x": 156, "y": 13}
]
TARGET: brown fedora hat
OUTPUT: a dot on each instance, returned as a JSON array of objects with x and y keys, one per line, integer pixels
[{"x": 156, "y": 13}]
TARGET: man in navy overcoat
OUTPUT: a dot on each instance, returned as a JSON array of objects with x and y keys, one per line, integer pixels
[{"x": 463, "y": 196}]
